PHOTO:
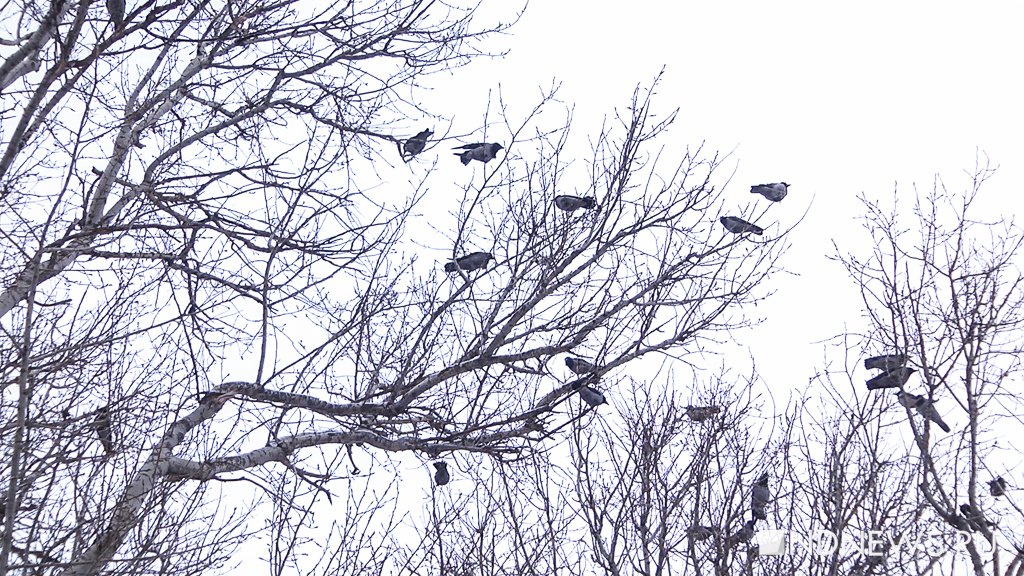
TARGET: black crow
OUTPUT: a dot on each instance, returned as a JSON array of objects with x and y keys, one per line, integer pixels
[
  {"x": 975, "y": 518},
  {"x": 997, "y": 487},
  {"x": 469, "y": 262},
  {"x": 760, "y": 496},
  {"x": 923, "y": 406},
  {"x": 740, "y": 226},
  {"x": 481, "y": 151},
  {"x": 579, "y": 365},
  {"x": 571, "y": 203},
  {"x": 744, "y": 534},
  {"x": 441, "y": 476},
  {"x": 416, "y": 144},
  {"x": 885, "y": 362},
  {"x": 892, "y": 379},
  {"x": 774, "y": 192}
]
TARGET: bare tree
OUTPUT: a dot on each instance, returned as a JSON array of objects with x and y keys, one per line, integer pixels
[{"x": 209, "y": 320}]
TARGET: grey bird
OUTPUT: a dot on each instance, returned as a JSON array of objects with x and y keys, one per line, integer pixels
[
  {"x": 923, "y": 406},
  {"x": 892, "y": 379},
  {"x": 116, "y": 10},
  {"x": 774, "y": 192},
  {"x": 481, "y": 151},
  {"x": 701, "y": 533},
  {"x": 591, "y": 396},
  {"x": 997, "y": 487},
  {"x": 101, "y": 424},
  {"x": 441, "y": 476},
  {"x": 885, "y": 362},
  {"x": 572, "y": 203},
  {"x": 579, "y": 365},
  {"x": 416, "y": 144},
  {"x": 740, "y": 226},
  {"x": 975, "y": 518},
  {"x": 744, "y": 534},
  {"x": 469, "y": 262},
  {"x": 760, "y": 496},
  {"x": 702, "y": 413}
]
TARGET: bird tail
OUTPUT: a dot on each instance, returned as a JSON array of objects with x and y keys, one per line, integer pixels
[
  {"x": 757, "y": 230},
  {"x": 941, "y": 424}
]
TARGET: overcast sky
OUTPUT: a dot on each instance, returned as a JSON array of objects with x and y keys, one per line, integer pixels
[{"x": 836, "y": 100}]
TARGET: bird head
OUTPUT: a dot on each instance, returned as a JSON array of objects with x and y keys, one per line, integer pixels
[{"x": 440, "y": 465}]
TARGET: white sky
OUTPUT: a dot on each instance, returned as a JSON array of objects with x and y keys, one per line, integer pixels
[{"x": 836, "y": 100}]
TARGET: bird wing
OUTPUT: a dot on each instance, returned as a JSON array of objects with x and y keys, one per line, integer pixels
[{"x": 470, "y": 146}]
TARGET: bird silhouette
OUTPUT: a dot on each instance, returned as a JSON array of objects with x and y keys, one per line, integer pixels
[
  {"x": 924, "y": 407},
  {"x": 116, "y": 10},
  {"x": 740, "y": 226},
  {"x": 895, "y": 378},
  {"x": 571, "y": 203},
  {"x": 481, "y": 151},
  {"x": 101, "y": 424},
  {"x": 885, "y": 362},
  {"x": 975, "y": 519},
  {"x": 997, "y": 487},
  {"x": 744, "y": 534},
  {"x": 774, "y": 192},
  {"x": 469, "y": 262},
  {"x": 579, "y": 365},
  {"x": 441, "y": 476},
  {"x": 760, "y": 496},
  {"x": 701, "y": 533},
  {"x": 416, "y": 144},
  {"x": 591, "y": 396},
  {"x": 702, "y": 413}
]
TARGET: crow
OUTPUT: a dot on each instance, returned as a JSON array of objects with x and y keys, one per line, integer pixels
[
  {"x": 592, "y": 396},
  {"x": 416, "y": 144},
  {"x": 740, "y": 226},
  {"x": 469, "y": 262},
  {"x": 760, "y": 497},
  {"x": 101, "y": 424},
  {"x": 579, "y": 365},
  {"x": 481, "y": 151},
  {"x": 997, "y": 487},
  {"x": 571, "y": 203},
  {"x": 744, "y": 534},
  {"x": 895, "y": 378},
  {"x": 924, "y": 407},
  {"x": 441, "y": 476},
  {"x": 774, "y": 192},
  {"x": 887, "y": 362},
  {"x": 701, "y": 533},
  {"x": 116, "y": 10},
  {"x": 975, "y": 518},
  {"x": 702, "y": 413}
]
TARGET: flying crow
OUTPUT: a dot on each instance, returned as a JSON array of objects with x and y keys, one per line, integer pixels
[
  {"x": 923, "y": 406},
  {"x": 885, "y": 362},
  {"x": 480, "y": 151},
  {"x": 893, "y": 379},
  {"x": 740, "y": 226},
  {"x": 774, "y": 192},
  {"x": 571, "y": 203},
  {"x": 469, "y": 262}
]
